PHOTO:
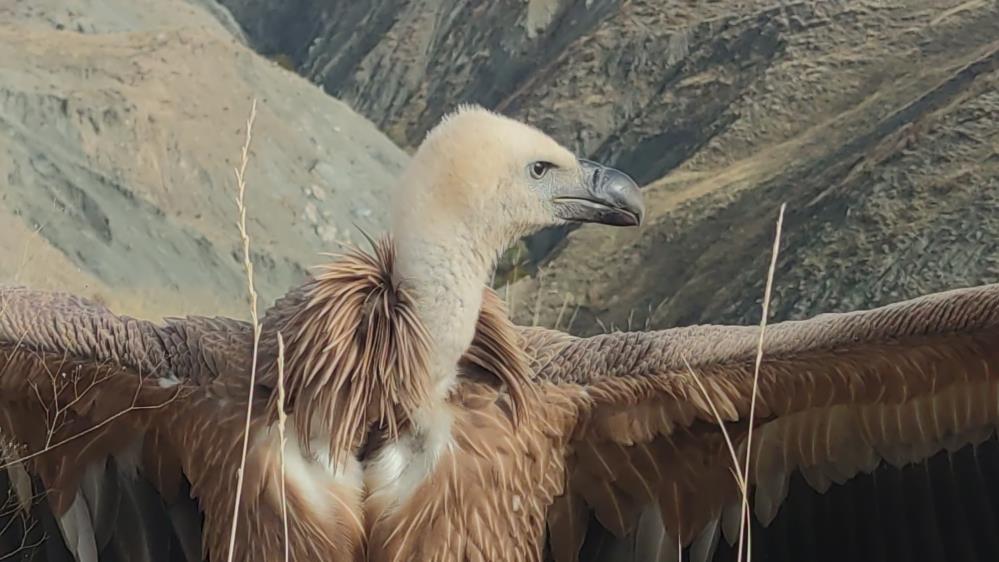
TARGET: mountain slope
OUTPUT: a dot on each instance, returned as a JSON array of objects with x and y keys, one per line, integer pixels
[
  {"x": 119, "y": 130},
  {"x": 871, "y": 119},
  {"x": 885, "y": 151}
]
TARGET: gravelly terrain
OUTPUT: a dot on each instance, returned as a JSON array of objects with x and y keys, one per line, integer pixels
[{"x": 120, "y": 124}]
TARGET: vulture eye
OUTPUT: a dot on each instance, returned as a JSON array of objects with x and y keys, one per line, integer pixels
[{"x": 539, "y": 169}]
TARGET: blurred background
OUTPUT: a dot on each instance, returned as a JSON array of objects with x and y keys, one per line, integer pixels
[{"x": 875, "y": 121}]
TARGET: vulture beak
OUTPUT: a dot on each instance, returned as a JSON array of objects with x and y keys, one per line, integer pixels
[{"x": 605, "y": 196}]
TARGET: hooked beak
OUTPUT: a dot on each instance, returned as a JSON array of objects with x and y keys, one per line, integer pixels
[{"x": 605, "y": 196}]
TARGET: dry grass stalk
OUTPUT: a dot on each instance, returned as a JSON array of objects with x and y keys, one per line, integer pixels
[
  {"x": 26, "y": 254},
  {"x": 282, "y": 420},
  {"x": 572, "y": 319},
  {"x": 744, "y": 523},
  {"x": 536, "y": 320},
  {"x": 561, "y": 311},
  {"x": 721, "y": 424},
  {"x": 514, "y": 275},
  {"x": 240, "y": 173}
]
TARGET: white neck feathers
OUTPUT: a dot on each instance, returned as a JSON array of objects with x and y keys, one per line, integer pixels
[{"x": 446, "y": 279}]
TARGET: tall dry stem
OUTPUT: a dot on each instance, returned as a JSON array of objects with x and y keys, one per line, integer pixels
[
  {"x": 536, "y": 320},
  {"x": 561, "y": 310},
  {"x": 282, "y": 420},
  {"x": 721, "y": 424},
  {"x": 744, "y": 523},
  {"x": 508, "y": 294},
  {"x": 240, "y": 173}
]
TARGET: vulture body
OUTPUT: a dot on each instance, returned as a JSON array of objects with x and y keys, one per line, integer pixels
[{"x": 424, "y": 425}]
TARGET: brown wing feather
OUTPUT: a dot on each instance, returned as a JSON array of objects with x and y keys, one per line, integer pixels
[
  {"x": 79, "y": 385},
  {"x": 838, "y": 394},
  {"x": 77, "y": 378}
]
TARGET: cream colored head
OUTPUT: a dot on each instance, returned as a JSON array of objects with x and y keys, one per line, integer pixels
[
  {"x": 477, "y": 183},
  {"x": 487, "y": 180}
]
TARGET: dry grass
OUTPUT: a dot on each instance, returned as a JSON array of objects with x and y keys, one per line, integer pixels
[
  {"x": 17, "y": 505},
  {"x": 240, "y": 173},
  {"x": 508, "y": 294},
  {"x": 739, "y": 478},
  {"x": 744, "y": 525},
  {"x": 742, "y": 477},
  {"x": 536, "y": 318},
  {"x": 282, "y": 421}
]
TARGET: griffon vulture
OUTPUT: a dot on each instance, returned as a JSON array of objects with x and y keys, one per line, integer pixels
[{"x": 423, "y": 425}]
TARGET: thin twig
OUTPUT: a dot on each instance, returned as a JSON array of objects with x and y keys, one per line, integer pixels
[
  {"x": 248, "y": 266},
  {"x": 508, "y": 294},
  {"x": 721, "y": 424},
  {"x": 25, "y": 254},
  {"x": 537, "y": 298},
  {"x": 89, "y": 430},
  {"x": 572, "y": 319},
  {"x": 561, "y": 311},
  {"x": 744, "y": 518},
  {"x": 282, "y": 419}
]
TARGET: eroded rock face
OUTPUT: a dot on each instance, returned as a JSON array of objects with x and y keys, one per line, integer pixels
[
  {"x": 875, "y": 126},
  {"x": 120, "y": 125},
  {"x": 641, "y": 85},
  {"x": 408, "y": 62},
  {"x": 870, "y": 119},
  {"x": 600, "y": 76}
]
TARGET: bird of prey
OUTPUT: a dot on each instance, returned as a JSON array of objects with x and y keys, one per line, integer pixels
[{"x": 425, "y": 425}]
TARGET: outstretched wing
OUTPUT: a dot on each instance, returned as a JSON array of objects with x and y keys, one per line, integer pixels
[
  {"x": 78, "y": 388},
  {"x": 840, "y": 395}
]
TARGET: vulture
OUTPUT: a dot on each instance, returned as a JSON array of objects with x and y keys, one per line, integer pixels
[{"x": 422, "y": 424}]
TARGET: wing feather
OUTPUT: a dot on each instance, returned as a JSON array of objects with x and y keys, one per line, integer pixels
[
  {"x": 567, "y": 520},
  {"x": 839, "y": 394},
  {"x": 79, "y": 387}
]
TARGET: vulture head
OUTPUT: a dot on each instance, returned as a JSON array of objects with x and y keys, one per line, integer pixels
[
  {"x": 477, "y": 183},
  {"x": 489, "y": 180}
]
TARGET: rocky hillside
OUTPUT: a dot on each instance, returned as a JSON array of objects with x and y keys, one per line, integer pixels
[
  {"x": 875, "y": 121},
  {"x": 120, "y": 124},
  {"x": 879, "y": 128}
]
